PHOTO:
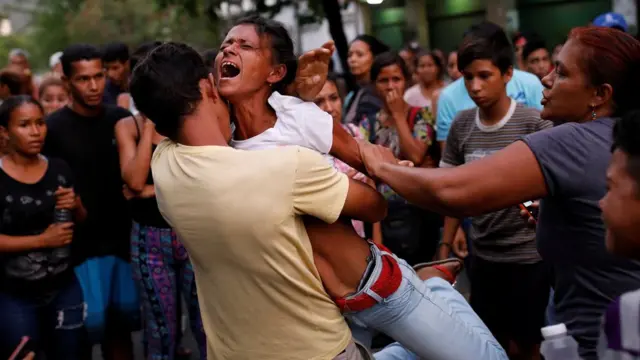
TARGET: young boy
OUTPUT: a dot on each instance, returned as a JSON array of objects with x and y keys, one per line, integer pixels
[
  {"x": 620, "y": 336},
  {"x": 509, "y": 282}
]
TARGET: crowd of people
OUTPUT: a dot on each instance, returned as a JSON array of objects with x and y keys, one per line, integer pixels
[{"x": 295, "y": 218}]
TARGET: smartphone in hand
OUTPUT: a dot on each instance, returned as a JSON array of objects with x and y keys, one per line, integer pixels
[{"x": 528, "y": 207}]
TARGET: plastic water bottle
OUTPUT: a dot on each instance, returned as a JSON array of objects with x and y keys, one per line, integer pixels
[
  {"x": 62, "y": 216},
  {"x": 557, "y": 344},
  {"x": 58, "y": 256}
]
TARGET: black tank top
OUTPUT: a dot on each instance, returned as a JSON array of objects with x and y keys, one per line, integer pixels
[{"x": 145, "y": 211}]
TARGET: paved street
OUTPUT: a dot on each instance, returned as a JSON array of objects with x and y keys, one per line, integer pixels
[{"x": 188, "y": 341}]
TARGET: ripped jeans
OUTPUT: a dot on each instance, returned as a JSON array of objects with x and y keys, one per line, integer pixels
[{"x": 55, "y": 326}]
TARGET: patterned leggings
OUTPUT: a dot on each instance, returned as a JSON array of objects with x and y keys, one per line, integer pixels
[{"x": 163, "y": 271}]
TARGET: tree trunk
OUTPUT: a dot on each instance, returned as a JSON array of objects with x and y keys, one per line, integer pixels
[{"x": 336, "y": 28}]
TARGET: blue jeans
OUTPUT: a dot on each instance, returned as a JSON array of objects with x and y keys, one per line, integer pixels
[
  {"x": 429, "y": 317},
  {"x": 55, "y": 326}
]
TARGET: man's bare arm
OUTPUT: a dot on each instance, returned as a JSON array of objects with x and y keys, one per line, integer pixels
[{"x": 364, "y": 203}]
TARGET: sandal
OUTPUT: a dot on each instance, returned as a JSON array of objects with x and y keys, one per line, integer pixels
[{"x": 448, "y": 275}]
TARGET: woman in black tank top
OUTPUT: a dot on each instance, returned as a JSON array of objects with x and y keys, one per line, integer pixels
[
  {"x": 161, "y": 264},
  {"x": 40, "y": 296}
]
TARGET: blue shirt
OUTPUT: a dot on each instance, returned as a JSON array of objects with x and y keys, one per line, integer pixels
[{"x": 524, "y": 88}]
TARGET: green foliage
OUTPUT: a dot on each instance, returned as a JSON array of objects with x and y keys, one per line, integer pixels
[
  {"x": 209, "y": 8},
  {"x": 59, "y": 23},
  {"x": 11, "y": 42}
]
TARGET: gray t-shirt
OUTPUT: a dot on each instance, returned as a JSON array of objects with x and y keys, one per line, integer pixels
[
  {"x": 571, "y": 235},
  {"x": 499, "y": 236}
]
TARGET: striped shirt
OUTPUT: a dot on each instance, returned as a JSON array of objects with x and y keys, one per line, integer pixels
[
  {"x": 501, "y": 236},
  {"x": 620, "y": 335}
]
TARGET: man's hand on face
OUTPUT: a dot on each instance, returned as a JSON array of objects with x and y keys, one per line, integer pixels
[{"x": 313, "y": 69}]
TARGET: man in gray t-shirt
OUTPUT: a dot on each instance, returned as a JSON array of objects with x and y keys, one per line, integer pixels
[{"x": 571, "y": 234}]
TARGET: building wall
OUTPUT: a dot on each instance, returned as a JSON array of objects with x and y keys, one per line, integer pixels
[
  {"x": 553, "y": 19},
  {"x": 447, "y": 20},
  {"x": 312, "y": 36}
]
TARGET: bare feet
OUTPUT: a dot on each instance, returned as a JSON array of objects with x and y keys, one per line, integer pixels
[{"x": 448, "y": 271}]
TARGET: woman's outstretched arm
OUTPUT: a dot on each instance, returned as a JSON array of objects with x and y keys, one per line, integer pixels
[{"x": 508, "y": 177}]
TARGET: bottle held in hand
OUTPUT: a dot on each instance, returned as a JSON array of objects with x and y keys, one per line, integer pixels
[
  {"x": 61, "y": 253},
  {"x": 62, "y": 216},
  {"x": 557, "y": 344}
]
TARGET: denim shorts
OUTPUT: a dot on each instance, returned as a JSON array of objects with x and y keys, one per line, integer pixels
[{"x": 55, "y": 326}]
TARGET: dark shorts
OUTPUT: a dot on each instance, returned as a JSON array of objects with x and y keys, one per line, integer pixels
[{"x": 511, "y": 299}]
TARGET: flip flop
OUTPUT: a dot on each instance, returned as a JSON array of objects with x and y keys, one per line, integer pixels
[{"x": 448, "y": 275}]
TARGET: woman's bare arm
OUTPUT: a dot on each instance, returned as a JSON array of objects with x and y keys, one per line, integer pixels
[
  {"x": 135, "y": 159},
  {"x": 411, "y": 148},
  {"x": 506, "y": 178},
  {"x": 80, "y": 211},
  {"x": 20, "y": 243},
  {"x": 345, "y": 148}
]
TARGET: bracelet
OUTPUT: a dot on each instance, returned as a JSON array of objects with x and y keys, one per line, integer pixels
[{"x": 444, "y": 244}]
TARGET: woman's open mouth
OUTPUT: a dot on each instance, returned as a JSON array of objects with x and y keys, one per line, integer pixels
[{"x": 229, "y": 70}]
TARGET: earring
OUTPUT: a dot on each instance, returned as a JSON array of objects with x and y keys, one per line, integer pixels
[{"x": 593, "y": 113}]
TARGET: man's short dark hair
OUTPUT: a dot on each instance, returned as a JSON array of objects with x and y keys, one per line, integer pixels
[
  {"x": 165, "y": 85},
  {"x": 626, "y": 138},
  {"x": 115, "y": 51},
  {"x": 281, "y": 45},
  {"x": 12, "y": 80},
  {"x": 78, "y": 52},
  {"x": 484, "y": 29},
  {"x": 531, "y": 46},
  {"x": 141, "y": 51},
  {"x": 486, "y": 41},
  {"x": 388, "y": 59}
]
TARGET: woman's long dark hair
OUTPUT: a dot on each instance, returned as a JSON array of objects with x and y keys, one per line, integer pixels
[{"x": 12, "y": 103}]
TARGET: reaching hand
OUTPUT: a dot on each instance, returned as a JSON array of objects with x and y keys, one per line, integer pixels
[
  {"x": 531, "y": 221},
  {"x": 373, "y": 156},
  {"x": 313, "y": 69}
]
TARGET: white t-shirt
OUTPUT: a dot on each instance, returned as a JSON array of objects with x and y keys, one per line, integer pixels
[{"x": 298, "y": 123}]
